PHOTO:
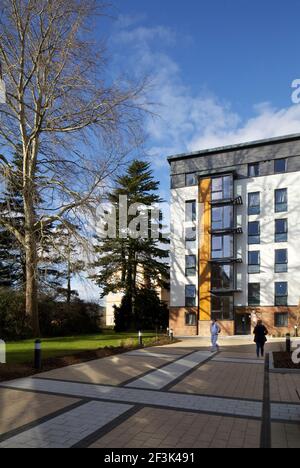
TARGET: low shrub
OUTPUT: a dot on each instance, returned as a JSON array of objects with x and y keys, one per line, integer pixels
[{"x": 56, "y": 318}]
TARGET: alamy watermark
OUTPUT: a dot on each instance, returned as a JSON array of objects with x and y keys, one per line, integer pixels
[
  {"x": 296, "y": 353},
  {"x": 296, "y": 92},
  {"x": 126, "y": 220}
]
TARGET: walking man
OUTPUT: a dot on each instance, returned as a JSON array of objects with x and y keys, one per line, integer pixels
[
  {"x": 260, "y": 333},
  {"x": 215, "y": 330}
]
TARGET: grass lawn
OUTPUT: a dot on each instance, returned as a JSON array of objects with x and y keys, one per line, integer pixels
[{"x": 22, "y": 351}]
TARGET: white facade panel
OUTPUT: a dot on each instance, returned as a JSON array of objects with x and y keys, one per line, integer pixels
[
  {"x": 177, "y": 248},
  {"x": 267, "y": 277}
]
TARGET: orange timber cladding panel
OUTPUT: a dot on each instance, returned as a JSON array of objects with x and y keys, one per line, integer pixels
[{"x": 204, "y": 250}]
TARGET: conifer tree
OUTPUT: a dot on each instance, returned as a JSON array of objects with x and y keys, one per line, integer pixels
[{"x": 127, "y": 264}]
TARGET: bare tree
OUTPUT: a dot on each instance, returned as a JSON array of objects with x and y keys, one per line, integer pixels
[{"x": 62, "y": 113}]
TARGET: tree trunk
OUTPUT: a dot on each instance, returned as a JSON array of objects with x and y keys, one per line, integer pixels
[
  {"x": 32, "y": 283},
  {"x": 31, "y": 291}
]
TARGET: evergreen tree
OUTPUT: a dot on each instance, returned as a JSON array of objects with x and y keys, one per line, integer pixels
[
  {"x": 126, "y": 263},
  {"x": 12, "y": 256}
]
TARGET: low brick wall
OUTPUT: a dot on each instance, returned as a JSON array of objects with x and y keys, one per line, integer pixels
[{"x": 177, "y": 321}]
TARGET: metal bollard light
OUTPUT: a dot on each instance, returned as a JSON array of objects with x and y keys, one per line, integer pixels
[
  {"x": 288, "y": 343},
  {"x": 140, "y": 339},
  {"x": 171, "y": 334},
  {"x": 38, "y": 355}
]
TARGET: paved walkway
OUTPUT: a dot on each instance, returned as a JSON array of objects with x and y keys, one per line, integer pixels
[{"x": 177, "y": 396}]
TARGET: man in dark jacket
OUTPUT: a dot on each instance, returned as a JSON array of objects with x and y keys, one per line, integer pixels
[{"x": 260, "y": 333}]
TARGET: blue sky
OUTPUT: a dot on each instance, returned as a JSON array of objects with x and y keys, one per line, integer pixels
[{"x": 222, "y": 70}]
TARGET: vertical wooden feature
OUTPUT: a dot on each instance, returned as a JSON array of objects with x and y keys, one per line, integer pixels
[{"x": 205, "y": 250}]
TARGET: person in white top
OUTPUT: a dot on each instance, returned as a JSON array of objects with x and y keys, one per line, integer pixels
[{"x": 215, "y": 330}]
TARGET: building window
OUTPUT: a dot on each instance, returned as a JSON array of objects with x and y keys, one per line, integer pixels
[
  {"x": 222, "y": 188},
  {"x": 222, "y": 217},
  {"x": 222, "y": 307},
  {"x": 281, "y": 261},
  {"x": 254, "y": 262},
  {"x": 254, "y": 203},
  {"x": 253, "y": 170},
  {"x": 280, "y": 166},
  {"x": 281, "y": 230},
  {"x": 281, "y": 200},
  {"x": 222, "y": 277},
  {"x": 222, "y": 246},
  {"x": 254, "y": 294},
  {"x": 190, "y": 265},
  {"x": 190, "y": 238},
  {"x": 254, "y": 233},
  {"x": 190, "y": 319},
  {"x": 191, "y": 179},
  {"x": 282, "y": 320},
  {"x": 190, "y": 296},
  {"x": 281, "y": 294},
  {"x": 190, "y": 211}
]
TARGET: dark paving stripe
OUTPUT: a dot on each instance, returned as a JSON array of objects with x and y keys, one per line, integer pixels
[
  {"x": 91, "y": 439},
  {"x": 265, "y": 437},
  {"x": 37, "y": 422},
  {"x": 187, "y": 373},
  {"x": 133, "y": 379}
]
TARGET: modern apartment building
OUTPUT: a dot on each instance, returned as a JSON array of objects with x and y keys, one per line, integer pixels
[{"x": 235, "y": 243}]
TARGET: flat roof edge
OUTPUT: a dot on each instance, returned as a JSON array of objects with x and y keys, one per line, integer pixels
[{"x": 222, "y": 149}]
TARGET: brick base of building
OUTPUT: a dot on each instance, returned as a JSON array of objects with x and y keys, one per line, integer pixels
[{"x": 266, "y": 314}]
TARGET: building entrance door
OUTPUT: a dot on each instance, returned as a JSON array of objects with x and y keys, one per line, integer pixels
[{"x": 243, "y": 324}]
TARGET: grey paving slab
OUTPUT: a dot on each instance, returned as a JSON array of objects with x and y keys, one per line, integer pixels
[
  {"x": 145, "y": 354},
  {"x": 285, "y": 412},
  {"x": 68, "y": 429},
  {"x": 146, "y": 397},
  {"x": 160, "y": 378},
  {"x": 239, "y": 361}
]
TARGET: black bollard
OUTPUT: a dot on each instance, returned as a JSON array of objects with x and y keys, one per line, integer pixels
[
  {"x": 288, "y": 343},
  {"x": 38, "y": 355},
  {"x": 171, "y": 334}
]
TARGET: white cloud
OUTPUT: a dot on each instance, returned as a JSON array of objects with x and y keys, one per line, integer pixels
[
  {"x": 190, "y": 121},
  {"x": 269, "y": 122}
]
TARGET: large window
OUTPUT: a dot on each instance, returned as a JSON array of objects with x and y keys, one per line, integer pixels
[
  {"x": 190, "y": 296},
  {"x": 222, "y": 277},
  {"x": 281, "y": 294},
  {"x": 190, "y": 238},
  {"x": 253, "y": 262},
  {"x": 190, "y": 265},
  {"x": 282, "y": 320},
  {"x": 222, "y": 246},
  {"x": 254, "y": 233},
  {"x": 281, "y": 230},
  {"x": 190, "y": 211},
  {"x": 222, "y": 217},
  {"x": 190, "y": 319},
  {"x": 281, "y": 261},
  {"x": 254, "y": 203},
  {"x": 281, "y": 200},
  {"x": 253, "y": 294},
  {"x": 222, "y": 188},
  {"x": 222, "y": 307},
  {"x": 253, "y": 170},
  {"x": 280, "y": 166},
  {"x": 191, "y": 179}
]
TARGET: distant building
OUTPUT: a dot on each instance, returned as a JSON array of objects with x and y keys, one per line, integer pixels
[
  {"x": 235, "y": 243},
  {"x": 116, "y": 299}
]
